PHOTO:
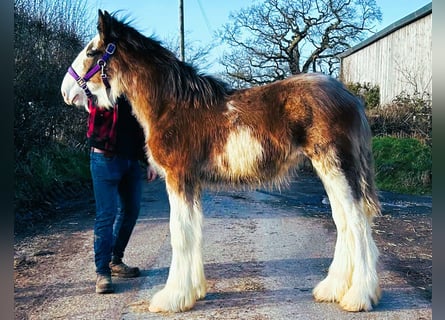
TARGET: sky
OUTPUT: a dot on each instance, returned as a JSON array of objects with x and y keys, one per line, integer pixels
[{"x": 202, "y": 18}]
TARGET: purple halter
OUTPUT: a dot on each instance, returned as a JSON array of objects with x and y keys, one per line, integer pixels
[{"x": 101, "y": 63}]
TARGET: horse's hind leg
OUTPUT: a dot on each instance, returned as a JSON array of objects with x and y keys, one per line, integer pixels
[
  {"x": 352, "y": 279},
  {"x": 186, "y": 281}
]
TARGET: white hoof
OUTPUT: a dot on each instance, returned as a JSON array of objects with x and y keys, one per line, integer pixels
[
  {"x": 359, "y": 299},
  {"x": 201, "y": 291},
  {"x": 330, "y": 290},
  {"x": 171, "y": 300}
]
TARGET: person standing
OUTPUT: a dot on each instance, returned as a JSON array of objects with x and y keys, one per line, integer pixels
[{"x": 117, "y": 147}]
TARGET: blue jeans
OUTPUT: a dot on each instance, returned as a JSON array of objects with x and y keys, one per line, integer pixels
[{"x": 117, "y": 184}]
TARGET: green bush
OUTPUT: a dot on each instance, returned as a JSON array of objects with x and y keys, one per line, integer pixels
[
  {"x": 50, "y": 149},
  {"x": 370, "y": 94},
  {"x": 403, "y": 165},
  {"x": 407, "y": 116},
  {"x": 44, "y": 171}
]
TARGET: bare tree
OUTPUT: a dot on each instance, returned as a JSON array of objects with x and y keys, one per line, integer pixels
[
  {"x": 48, "y": 34},
  {"x": 67, "y": 16},
  {"x": 273, "y": 39},
  {"x": 196, "y": 53},
  {"x": 47, "y": 37}
]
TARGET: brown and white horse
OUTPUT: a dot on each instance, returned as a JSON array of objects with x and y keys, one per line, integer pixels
[{"x": 200, "y": 134}]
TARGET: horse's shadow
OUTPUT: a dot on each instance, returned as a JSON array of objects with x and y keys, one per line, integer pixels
[{"x": 227, "y": 287}]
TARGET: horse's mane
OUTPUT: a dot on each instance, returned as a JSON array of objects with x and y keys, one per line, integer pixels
[{"x": 178, "y": 81}]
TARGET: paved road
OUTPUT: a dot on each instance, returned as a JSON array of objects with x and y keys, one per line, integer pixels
[{"x": 263, "y": 253}]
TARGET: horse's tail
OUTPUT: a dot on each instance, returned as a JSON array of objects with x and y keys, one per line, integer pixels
[{"x": 367, "y": 175}]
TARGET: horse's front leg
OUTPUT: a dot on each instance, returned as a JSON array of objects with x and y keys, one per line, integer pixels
[{"x": 186, "y": 281}]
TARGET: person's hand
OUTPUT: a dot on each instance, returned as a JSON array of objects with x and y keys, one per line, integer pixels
[{"x": 151, "y": 174}]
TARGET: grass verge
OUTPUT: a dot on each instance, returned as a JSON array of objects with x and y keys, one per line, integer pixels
[
  {"x": 403, "y": 165},
  {"x": 41, "y": 172}
]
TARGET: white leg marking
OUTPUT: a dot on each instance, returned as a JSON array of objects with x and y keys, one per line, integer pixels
[
  {"x": 365, "y": 289},
  {"x": 186, "y": 281},
  {"x": 335, "y": 285},
  {"x": 352, "y": 278}
]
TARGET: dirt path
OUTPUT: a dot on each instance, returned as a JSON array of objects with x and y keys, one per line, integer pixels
[{"x": 263, "y": 254}]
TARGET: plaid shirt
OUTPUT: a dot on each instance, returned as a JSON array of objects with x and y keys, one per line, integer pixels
[
  {"x": 124, "y": 137},
  {"x": 102, "y": 127}
]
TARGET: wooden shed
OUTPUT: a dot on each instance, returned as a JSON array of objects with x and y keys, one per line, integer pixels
[{"x": 397, "y": 59}]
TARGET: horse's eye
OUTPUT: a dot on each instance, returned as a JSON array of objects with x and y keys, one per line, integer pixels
[{"x": 92, "y": 53}]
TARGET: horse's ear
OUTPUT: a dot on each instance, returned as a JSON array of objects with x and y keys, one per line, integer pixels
[{"x": 103, "y": 24}]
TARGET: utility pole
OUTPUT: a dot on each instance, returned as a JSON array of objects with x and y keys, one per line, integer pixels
[{"x": 181, "y": 30}]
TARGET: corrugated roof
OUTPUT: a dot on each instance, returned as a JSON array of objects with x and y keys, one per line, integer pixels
[{"x": 416, "y": 15}]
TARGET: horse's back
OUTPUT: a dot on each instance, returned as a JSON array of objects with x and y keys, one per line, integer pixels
[{"x": 302, "y": 108}]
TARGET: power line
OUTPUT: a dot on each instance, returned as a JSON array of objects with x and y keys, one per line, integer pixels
[
  {"x": 181, "y": 26},
  {"x": 206, "y": 20}
]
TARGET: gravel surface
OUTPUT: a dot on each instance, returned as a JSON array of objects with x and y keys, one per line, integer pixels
[{"x": 263, "y": 253}]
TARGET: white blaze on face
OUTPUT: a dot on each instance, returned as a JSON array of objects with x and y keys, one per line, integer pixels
[
  {"x": 71, "y": 91},
  {"x": 242, "y": 153}
]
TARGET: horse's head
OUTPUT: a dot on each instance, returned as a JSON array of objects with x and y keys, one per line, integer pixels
[{"x": 91, "y": 74}]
